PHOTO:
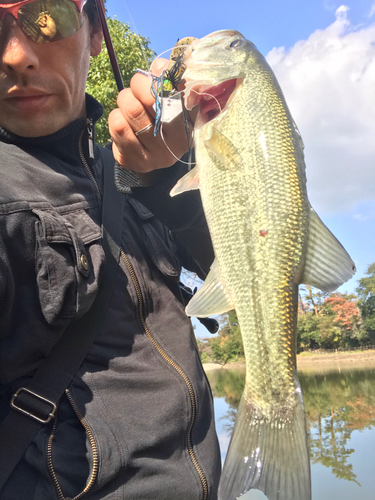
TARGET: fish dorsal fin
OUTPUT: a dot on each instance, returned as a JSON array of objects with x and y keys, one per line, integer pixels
[
  {"x": 211, "y": 298},
  {"x": 188, "y": 182},
  {"x": 224, "y": 150},
  {"x": 327, "y": 264}
]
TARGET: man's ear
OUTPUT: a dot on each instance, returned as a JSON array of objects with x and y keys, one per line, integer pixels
[{"x": 96, "y": 41}]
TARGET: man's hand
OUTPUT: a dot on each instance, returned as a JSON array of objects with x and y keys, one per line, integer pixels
[{"x": 144, "y": 153}]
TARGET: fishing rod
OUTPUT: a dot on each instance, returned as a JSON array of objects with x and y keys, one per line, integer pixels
[{"x": 109, "y": 45}]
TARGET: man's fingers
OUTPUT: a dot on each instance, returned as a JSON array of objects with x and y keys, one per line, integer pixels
[
  {"x": 141, "y": 84},
  {"x": 132, "y": 128},
  {"x": 129, "y": 149},
  {"x": 134, "y": 110},
  {"x": 159, "y": 65}
]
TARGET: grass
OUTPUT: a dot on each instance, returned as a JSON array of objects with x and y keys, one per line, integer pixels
[{"x": 310, "y": 354}]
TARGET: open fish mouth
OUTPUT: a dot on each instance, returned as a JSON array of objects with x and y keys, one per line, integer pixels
[{"x": 212, "y": 100}]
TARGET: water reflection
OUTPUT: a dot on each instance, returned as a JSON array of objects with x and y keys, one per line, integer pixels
[
  {"x": 336, "y": 404},
  {"x": 339, "y": 404}
]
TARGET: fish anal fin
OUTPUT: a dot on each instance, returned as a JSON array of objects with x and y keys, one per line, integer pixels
[
  {"x": 327, "y": 263},
  {"x": 221, "y": 147},
  {"x": 188, "y": 182},
  {"x": 267, "y": 455},
  {"x": 211, "y": 298}
]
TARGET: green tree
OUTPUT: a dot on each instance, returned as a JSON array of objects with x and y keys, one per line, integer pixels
[
  {"x": 309, "y": 318},
  {"x": 132, "y": 52},
  {"x": 227, "y": 345},
  {"x": 308, "y": 333},
  {"x": 366, "y": 304}
]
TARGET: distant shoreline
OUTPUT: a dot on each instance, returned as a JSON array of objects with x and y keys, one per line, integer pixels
[{"x": 312, "y": 359}]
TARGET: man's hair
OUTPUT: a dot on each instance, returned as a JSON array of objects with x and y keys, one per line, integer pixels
[{"x": 91, "y": 11}]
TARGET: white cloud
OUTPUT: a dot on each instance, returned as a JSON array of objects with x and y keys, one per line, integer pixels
[
  {"x": 372, "y": 11},
  {"x": 329, "y": 84}
]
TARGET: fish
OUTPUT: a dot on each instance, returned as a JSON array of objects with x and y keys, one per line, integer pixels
[{"x": 267, "y": 240}]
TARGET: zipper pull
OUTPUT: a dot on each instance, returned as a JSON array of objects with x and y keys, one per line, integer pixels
[{"x": 91, "y": 139}]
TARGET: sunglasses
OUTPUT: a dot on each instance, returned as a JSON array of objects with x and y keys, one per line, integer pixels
[{"x": 44, "y": 21}]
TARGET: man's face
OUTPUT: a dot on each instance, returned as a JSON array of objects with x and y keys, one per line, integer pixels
[{"x": 42, "y": 86}]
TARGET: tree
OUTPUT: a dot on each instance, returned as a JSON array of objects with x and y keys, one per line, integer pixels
[
  {"x": 308, "y": 333},
  {"x": 368, "y": 314},
  {"x": 366, "y": 304},
  {"x": 331, "y": 321},
  {"x": 132, "y": 52},
  {"x": 347, "y": 317},
  {"x": 366, "y": 287},
  {"x": 227, "y": 345},
  {"x": 313, "y": 298},
  {"x": 310, "y": 318}
]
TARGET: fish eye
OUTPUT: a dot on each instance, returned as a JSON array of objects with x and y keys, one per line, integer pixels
[{"x": 235, "y": 44}]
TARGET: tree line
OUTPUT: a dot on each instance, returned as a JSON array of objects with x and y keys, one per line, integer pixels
[{"x": 325, "y": 321}]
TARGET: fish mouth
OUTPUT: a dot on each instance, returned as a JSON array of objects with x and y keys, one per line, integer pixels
[{"x": 212, "y": 100}]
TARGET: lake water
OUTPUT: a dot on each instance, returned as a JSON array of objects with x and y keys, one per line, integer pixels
[{"x": 340, "y": 420}]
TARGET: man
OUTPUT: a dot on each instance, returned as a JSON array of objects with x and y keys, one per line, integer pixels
[{"x": 136, "y": 421}]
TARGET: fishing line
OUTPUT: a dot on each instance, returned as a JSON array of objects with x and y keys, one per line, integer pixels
[
  {"x": 161, "y": 54},
  {"x": 209, "y": 95},
  {"x": 155, "y": 84},
  {"x": 172, "y": 153},
  {"x": 165, "y": 51},
  {"x": 137, "y": 33}
]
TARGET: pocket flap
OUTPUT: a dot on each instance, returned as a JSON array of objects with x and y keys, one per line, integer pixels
[{"x": 56, "y": 226}]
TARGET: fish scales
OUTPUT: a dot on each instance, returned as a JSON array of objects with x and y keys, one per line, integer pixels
[
  {"x": 267, "y": 194},
  {"x": 267, "y": 240}
]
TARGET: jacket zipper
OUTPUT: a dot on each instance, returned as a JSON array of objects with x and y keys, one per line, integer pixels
[
  {"x": 89, "y": 128},
  {"x": 94, "y": 449},
  {"x": 176, "y": 367}
]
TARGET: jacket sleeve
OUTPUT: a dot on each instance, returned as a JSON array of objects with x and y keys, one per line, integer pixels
[{"x": 182, "y": 214}]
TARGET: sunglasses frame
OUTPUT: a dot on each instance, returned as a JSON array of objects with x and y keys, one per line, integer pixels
[
  {"x": 37, "y": 24},
  {"x": 13, "y": 8}
]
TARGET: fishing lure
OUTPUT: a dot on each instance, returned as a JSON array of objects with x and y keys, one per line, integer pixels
[{"x": 164, "y": 88}]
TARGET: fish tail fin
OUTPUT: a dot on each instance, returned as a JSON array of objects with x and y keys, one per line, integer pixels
[{"x": 270, "y": 457}]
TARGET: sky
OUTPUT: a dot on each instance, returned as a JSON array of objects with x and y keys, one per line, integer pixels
[{"x": 323, "y": 55}]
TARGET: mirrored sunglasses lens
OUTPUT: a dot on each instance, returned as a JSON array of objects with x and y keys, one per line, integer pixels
[{"x": 49, "y": 20}]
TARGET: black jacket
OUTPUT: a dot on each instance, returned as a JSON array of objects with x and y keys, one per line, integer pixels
[{"x": 136, "y": 422}]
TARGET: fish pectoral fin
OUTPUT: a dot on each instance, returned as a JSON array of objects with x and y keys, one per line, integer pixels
[
  {"x": 211, "y": 298},
  {"x": 327, "y": 264},
  {"x": 221, "y": 147},
  {"x": 267, "y": 455},
  {"x": 188, "y": 182}
]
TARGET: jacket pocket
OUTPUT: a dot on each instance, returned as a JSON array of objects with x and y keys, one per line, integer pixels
[
  {"x": 158, "y": 242},
  {"x": 69, "y": 263}
]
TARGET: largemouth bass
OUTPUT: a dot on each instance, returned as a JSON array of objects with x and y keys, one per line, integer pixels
[{"x": 267, "y": 240}]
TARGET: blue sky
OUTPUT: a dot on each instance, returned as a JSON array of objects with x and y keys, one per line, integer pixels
[{"x": 323, "y": 54}]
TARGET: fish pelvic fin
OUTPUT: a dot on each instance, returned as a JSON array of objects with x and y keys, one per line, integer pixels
[
  {"x": 188, "y": 182},
  {"x": 211, "y": 298},
  {"x": 327, "y": 264},
  {"x": 269, "y": 456}
]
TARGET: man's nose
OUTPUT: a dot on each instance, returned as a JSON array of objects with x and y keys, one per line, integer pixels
[{"x": 16, "y": 51}]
